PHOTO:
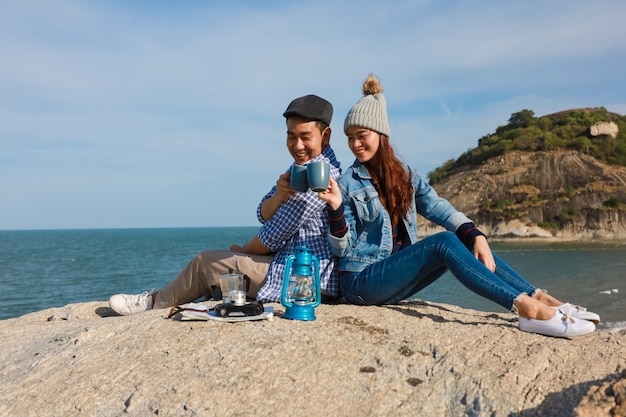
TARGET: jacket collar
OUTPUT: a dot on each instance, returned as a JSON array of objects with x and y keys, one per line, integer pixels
[{"x": 360, "y": 170}]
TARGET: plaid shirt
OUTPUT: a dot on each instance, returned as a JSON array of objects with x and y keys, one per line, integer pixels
[{"x": 302, "y": 218}]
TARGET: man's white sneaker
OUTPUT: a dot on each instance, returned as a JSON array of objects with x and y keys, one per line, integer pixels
[
  {"x": 127, "y": 304},
  {"x": 581, "y": 313},
  {"x": 561, "y": 325}
]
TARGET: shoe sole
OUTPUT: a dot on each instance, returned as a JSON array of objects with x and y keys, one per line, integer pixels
[{"x": 553, "y": 328}]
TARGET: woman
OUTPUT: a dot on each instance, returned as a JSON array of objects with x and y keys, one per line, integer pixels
[{"x": 372, "y": 213}]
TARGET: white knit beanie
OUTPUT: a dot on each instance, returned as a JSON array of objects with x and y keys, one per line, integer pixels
[{"x": 370, "y": 111}]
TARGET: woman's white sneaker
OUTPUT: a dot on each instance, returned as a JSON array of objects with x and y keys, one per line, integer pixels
[
  {"x": 561, "y": 325},
  {"x": 581, "y": 313},
  {"x": 127, "y": 304}
]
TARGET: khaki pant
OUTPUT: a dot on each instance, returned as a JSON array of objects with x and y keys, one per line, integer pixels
[{"x": 203, "y": 272}]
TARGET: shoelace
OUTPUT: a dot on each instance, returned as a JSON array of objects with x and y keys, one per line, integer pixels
[
  {"x": 567, "y": 315},
  {"x": 136, "y": 301}
]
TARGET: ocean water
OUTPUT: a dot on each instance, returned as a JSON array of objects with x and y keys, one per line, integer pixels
[{"x": 52, "y": 268}]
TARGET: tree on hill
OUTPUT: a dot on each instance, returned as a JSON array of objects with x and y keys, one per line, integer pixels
[{"x": 564, "y": 130}]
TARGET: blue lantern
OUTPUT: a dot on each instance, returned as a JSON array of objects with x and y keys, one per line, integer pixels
[{"x": 302, "y": 290}]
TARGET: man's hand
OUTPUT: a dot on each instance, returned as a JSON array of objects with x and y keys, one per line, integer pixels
[
  {"x": 253, "y": 247},
  {"x": 270, "y": 206},
  {"x": 283, "y": 188}
]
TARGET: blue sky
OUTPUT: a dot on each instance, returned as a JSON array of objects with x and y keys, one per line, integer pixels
[{"x": 168, "y": 114}]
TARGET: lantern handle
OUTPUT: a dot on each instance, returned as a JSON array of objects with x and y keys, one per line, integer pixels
[{"x": 283, "y": 295}]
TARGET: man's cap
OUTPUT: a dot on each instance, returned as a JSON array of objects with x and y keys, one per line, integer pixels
[{"x": 310, "y": 107}]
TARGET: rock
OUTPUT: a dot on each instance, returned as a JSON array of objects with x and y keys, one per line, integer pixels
[
  {"x": 604, "y": 128},
  {"x": 609, "y": 399},
  {"x": 410, "y": 359},
  {"x": 565, "y": 195}
]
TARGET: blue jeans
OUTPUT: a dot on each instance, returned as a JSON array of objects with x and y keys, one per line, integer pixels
[{"x": 404, "y": 273}]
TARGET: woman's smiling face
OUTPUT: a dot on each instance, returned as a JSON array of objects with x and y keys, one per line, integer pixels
[{"x": 363, "y": 142}]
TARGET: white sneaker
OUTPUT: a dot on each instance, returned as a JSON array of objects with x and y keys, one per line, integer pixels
[
  {"x": 561, "y": 325},
  {"x": 127, "y": 304},
  {"x": 579, "y": 312}
]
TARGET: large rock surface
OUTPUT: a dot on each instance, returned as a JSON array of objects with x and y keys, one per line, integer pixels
[{"x": 412, "y": 359}]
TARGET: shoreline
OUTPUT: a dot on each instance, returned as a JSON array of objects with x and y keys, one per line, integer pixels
[
  {"x": 512, "y": 237},
  {"x": 557, "y": 240},
  {"x": 539, "y": 239}
]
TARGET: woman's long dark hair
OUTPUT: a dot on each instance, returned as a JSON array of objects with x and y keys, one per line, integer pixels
[{"x": 392, "y": 179}]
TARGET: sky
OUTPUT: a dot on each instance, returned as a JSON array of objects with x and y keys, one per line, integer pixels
[{"x": 134, "y": 114}]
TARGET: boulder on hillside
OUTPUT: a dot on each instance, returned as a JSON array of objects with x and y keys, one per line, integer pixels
[{"x": 604, "y": 128}]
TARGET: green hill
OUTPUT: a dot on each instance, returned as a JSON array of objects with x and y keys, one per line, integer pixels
[{"x": 566, "y": 130}]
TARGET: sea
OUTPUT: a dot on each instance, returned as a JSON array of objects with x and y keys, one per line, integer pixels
[{"x": 41, "y": 269}]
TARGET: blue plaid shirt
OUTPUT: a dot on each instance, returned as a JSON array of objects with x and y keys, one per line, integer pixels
[{"x": 302, "y": 218}]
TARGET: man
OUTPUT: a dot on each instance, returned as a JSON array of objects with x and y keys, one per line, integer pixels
[{"x": 288, "y": 220}]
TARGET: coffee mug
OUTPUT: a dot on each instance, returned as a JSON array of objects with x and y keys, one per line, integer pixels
[
  {"x": 318, "y": 176},
  {"x": 298, "y": 180}
]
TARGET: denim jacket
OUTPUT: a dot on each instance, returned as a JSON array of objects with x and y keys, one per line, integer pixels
[{"x": 369, "y": 236}]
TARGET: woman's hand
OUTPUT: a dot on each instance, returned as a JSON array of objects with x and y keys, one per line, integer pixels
[
  {"x": 483, "y": 253},
  {"x": 332, "y": 196}
]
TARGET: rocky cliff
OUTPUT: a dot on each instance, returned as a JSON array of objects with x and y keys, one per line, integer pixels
[
  {"x": 411, "y": 359},
  {"x": 558, "y": 194}
]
